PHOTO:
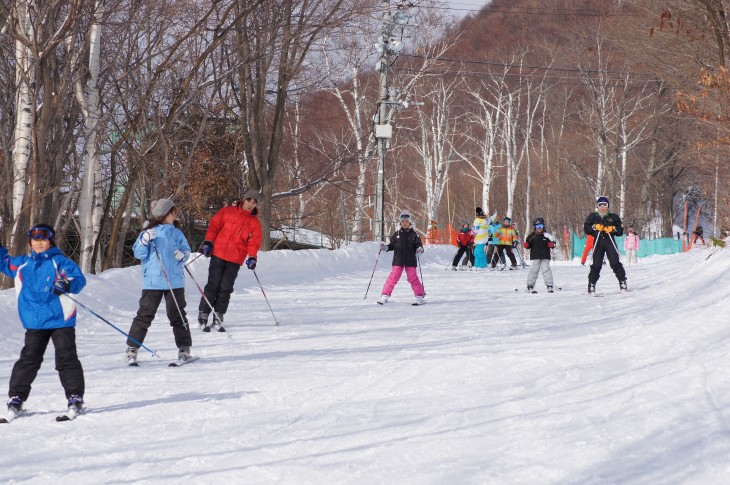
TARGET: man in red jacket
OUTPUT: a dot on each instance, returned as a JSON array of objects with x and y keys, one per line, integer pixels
[{"x": 233, "y": 237}]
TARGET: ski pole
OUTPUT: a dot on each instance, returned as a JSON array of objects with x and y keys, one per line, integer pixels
[
  {"x": 169, "y": 283},
  {"x": 418, "y": 260},
  {"x": 267, "y": 300},
  {"x": 616, "y": 248},
  {"x": 153, "y": 352},
  {"x": 206, "y": 299},
  {"x": 191, "y": 261},
  {"x": 371, "y": 276}
]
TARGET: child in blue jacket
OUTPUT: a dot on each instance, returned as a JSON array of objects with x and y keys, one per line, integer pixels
[
  {"x": 162, "y": 248},
  {"x": 42, "y": 279}
]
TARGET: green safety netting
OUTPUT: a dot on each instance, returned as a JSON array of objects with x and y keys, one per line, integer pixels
[{"x": 648, "y": 247}]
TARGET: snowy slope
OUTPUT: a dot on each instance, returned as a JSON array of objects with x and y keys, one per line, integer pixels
[{"x": 482, "y": 385}]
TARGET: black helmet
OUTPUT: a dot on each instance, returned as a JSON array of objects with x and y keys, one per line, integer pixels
[{"x": 538, "y": 220}]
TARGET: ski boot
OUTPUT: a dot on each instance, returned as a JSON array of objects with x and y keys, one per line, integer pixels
[
  {"x": 419, "y": 300},
  {"x": 203, "y": 321},
  {"x": 550, "y": 289},
  {"x": 623, "y": 286},
  {"x": 132, "y": 356},
  {"x": 383, "y": 299},
  {"x": 531, "y": 289},
  {"x": 218, "y": 321},
  {"x": 591, "y": 289},
  {"x": 75, "y": 404},
  {"x": 183, "y": 354}
]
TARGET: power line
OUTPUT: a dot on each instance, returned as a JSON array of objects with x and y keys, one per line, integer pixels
[
  {"x": 570, "y": 12},
  {"x": 522, "y": 66}
]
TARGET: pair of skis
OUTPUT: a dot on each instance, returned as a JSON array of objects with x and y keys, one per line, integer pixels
[
  {"x": 412, "y": 304},
  {"x": 69, "y": 416},
  {"x": 177, "y": 363}
]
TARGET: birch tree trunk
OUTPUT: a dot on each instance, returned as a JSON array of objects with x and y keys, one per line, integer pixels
[
  {"x": 25, "y": 74},
  {"x": 90, "y": 201}
]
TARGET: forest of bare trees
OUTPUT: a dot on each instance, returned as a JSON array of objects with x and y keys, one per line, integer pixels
[{"x": 528, "y": 108}]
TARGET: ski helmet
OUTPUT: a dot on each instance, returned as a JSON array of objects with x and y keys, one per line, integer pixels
[
  {"x": 538, "y": 220},
  {"x": 479, "y": 211}
]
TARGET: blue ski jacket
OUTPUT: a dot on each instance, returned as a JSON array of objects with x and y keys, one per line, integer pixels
[
  {"x": 169, "y": 238},
  {"x": 35, "y": 273}
]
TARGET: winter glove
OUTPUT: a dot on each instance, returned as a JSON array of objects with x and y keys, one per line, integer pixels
[
  {"x": 419, "y": 250},
  {"x": 515, "y": 244},
  {"x": 206, "y": 248},
  {"x": 179, "y": 255},
  {"x": 251, "y": 263},
  {"x": 61, "y": 286},
  {"x": 551, "y": 244},
  {"x": 609, "y": 229},
  {"x": 383, "y": 247},
  {"x": 148, "y": 236},
  {"x": 598, "y": 227},
  {"x": 526, "y": 245}
]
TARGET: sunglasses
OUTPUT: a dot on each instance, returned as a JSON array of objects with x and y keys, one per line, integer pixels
[
  {"x": 539, "y": 226},
  {"x": 602, "y": 204},
  {"x": 40, "y": 233}
]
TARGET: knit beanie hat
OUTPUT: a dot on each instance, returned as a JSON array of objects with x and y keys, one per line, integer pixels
[
  {"x": 479, "y": 211},
  {"x": 602, "y": 200},
  {"x": 160, "y": 208},
  {"x": 251, "y": 194}
]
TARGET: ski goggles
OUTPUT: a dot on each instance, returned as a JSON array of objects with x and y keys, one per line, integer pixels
[
  {"x": 40, "y": 233},
  {"x": 602, "y": 204},
  {"x": 539, "y": 226},
  {"x": 405, "y": 218}
]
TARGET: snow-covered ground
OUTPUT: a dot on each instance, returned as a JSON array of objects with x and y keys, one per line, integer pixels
[{"x": 480, "y": 386}]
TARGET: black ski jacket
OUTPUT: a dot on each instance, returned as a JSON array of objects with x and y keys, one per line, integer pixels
[
  {"x": 405, "y": 242},
  {"x": 610, "y": 219},
  {"x": 538, "y": 245}
]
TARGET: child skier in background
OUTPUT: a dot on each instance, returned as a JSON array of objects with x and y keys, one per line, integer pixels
[
  {"x": 504, "y": 239},
  {"x": 407, "y": 246},
  {"x": 465, "y": 241},
  {"x": 494, "y": 226},
  {"x": 698, "y": 234},
  {"x": 480, "y": 239},
  {"x": 42, "y": 279},
  {"x": 631, "y": 245},
  {"x": 540, "y": 245},
  {"x": 162, "y": 248}
]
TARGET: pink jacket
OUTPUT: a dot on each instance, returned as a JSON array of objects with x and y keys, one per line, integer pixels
[{"x": 632, "y": 241}]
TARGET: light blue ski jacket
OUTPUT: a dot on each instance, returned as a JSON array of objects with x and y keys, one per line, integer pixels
[{"x": 169, "y": 238}]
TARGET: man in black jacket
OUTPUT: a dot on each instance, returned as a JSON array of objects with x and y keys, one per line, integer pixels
[{"x": 604, "y": 225}]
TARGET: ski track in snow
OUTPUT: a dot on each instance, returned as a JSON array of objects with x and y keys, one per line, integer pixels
[{"x": 482, "y": 385}]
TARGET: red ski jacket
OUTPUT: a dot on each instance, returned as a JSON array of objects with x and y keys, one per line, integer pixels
[
  {"x": 465, "y": 238},
  {"x": 235, "y": 234}
]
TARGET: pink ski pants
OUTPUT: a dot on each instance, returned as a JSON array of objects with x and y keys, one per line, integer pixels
[{"x": 395, "y": 275}]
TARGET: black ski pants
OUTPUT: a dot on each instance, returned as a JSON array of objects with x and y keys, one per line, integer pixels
[
  {"x": 221, "y": 276},
  {"x": 606, "y": 246},
  {"x": 148, "y": 305},
  {"x": 68, "y": 365},
  {"x": 469, "y": 251},
  {"x": 501, "y": 249},
  {"x": 492, "y": 255}
]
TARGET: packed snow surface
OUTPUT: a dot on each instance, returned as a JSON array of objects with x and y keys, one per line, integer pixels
[{"x": 483, "y": 385}]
